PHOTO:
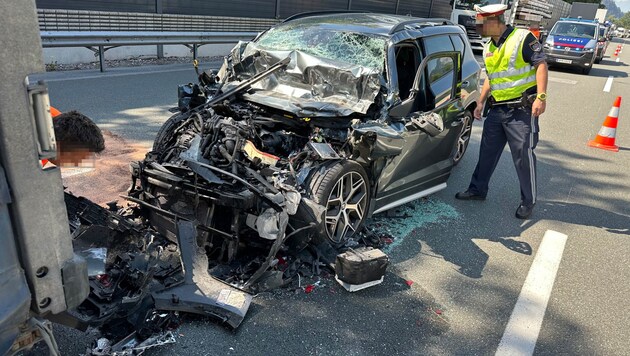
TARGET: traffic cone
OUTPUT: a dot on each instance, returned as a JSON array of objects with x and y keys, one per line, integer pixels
[
  {"x": 54, "y": 112},
  {"x": 605, "y": 138}
]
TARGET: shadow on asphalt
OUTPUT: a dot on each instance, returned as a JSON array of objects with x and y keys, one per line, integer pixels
[
  {"x": 595, "y": 72},
  {"x": 558, "y": 171},
  {"x": 584, "y": 215}
]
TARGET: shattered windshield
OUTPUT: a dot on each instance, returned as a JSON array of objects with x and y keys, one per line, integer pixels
[
  {"x": 325, "y": 42},
  {"x": 469, "y": 5},
  {"x": 573, "y": 30}
]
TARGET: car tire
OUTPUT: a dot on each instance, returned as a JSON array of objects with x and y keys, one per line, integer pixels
[
  {"x": 598, "y": 60},
  {"x": 343, "y": 188},
  {"x": 463, "y": 138},
  {"x": 160, "y": 142},
  {"x": 586, "y": 70}
]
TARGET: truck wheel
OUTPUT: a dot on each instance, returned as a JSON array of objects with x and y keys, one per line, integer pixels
[
  {"x": 343, "y": 188},
  {"x": 463, "y": 138}
]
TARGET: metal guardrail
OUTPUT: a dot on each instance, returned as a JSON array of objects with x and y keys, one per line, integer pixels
[
  {"x": 100, "y": 41},
  {"x": 78, "y": 20},
  {"x": 100, "y": 31}
]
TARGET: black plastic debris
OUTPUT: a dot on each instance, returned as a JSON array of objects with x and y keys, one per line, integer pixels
[
  {"x": 361, "y": 268},
  {"x": 201, "y": 293}
]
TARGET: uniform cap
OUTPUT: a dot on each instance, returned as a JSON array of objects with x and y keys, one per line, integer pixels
[{"x": 490, "y": 10}]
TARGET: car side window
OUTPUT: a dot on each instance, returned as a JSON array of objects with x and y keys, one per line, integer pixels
[
  {"x": 440, "y": 70},
  {"x": 458, "y": 44},
  {"x": 407, "y": 63}
]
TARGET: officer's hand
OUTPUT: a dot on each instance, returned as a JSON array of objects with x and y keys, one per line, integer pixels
[
  {"x": 538, "y": 108},
  {"x": 477, "y": 113}
]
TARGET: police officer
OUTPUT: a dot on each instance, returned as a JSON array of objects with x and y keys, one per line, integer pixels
[{"x": 514, "y": 93}]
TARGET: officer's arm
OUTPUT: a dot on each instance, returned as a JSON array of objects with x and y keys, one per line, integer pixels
[
  {"x": 485, "y": 92},
  {"x": 539, "y": 106},
  {"x": 533, "y": 54},
  {"x": 541, "y": 77}
]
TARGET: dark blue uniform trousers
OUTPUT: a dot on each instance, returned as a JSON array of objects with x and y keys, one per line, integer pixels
[{"x": 519, "y": 129}]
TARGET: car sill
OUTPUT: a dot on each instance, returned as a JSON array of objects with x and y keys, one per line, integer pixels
[{"x": 418, "y": 195}]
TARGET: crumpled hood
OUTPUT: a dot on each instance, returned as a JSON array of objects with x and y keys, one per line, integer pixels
[{"x": 309, "y": 86}]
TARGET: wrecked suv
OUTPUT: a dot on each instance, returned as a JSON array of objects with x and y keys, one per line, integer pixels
[{"x": 309, "y": 129}]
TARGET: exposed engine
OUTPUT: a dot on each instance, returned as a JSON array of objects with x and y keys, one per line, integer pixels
[{"x": 239, "y": 172}]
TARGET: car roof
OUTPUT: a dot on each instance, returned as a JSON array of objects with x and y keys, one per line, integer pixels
[{"x": 365, "y": 22}]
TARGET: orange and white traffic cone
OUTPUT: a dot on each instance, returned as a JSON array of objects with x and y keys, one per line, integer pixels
[
  {"x": 605, "y": 138},
  {"x": 54, "y": 112}
]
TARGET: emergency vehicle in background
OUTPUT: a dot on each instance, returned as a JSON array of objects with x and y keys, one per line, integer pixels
[
  {"x": 573, "y": 43},
  {"x": 526, "y": 14}
]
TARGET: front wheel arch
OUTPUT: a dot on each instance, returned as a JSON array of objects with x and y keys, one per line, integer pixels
[{"x": 343, "y": 188}]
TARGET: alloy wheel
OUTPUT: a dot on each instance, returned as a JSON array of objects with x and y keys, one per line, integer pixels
[
  {"x": 463, "y": 138},
  {"x": 346, "y": 206}
]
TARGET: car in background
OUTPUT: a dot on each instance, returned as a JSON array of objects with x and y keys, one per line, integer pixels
[
  {"x": 573, "y": 43},
  {"x": 602, "y": 42}
]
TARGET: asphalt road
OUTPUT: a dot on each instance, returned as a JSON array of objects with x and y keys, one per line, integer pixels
[{"x": 468, "y": 260}]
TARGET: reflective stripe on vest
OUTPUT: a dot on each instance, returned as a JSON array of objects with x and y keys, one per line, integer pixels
[{"x": 509, "y": 76}]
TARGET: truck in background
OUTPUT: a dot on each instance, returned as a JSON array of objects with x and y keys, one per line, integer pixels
[
  {"x": 583, "y": 10},
  {"x": 521, "y": 13},
  {"x": 600, "y": 15}
]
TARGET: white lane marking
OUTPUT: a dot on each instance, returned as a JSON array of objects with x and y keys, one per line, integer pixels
[
  {"x": 617, "y": 60},
  {"x": 608, "y": 84},
  {"x": 563, "y": 81},
  {"x": 522, "y": 330}
]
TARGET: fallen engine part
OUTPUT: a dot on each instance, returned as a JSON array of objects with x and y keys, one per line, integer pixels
[
  {"x": 131, "y": 345},
  {"x": 146, "y": 280},
  {"x": 361, "y": 268},
  {"x": 201, "y": 293}
]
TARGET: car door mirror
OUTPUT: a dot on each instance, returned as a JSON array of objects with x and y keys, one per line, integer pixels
[{"x": 437, "y": 79}]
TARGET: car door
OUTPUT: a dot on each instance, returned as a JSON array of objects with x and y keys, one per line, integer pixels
[{"x": 426, "y": 121}]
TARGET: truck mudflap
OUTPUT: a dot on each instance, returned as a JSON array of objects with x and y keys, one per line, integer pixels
[{"x": 200, "y": 293}]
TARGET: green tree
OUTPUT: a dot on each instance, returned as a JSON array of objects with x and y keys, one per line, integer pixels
[{"x": 623, "y": 21}]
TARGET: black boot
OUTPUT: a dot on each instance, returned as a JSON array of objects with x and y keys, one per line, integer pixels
[
  {"x": 468, "y": 195},
  {"x": 524, "y": 211}
]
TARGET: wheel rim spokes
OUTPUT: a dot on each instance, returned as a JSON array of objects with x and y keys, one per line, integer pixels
[
  {"x": 346, "y": 206},
  {"x": 462, "y": 140}
]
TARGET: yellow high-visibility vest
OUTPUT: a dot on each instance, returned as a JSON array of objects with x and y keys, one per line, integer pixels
[{"x": 507, "y": 71}]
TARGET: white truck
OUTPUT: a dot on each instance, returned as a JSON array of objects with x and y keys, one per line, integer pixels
[{"x": 521, "y": 13}]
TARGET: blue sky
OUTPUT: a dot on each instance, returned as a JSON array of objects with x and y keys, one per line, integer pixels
[{"x": 624, "y": 5}]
